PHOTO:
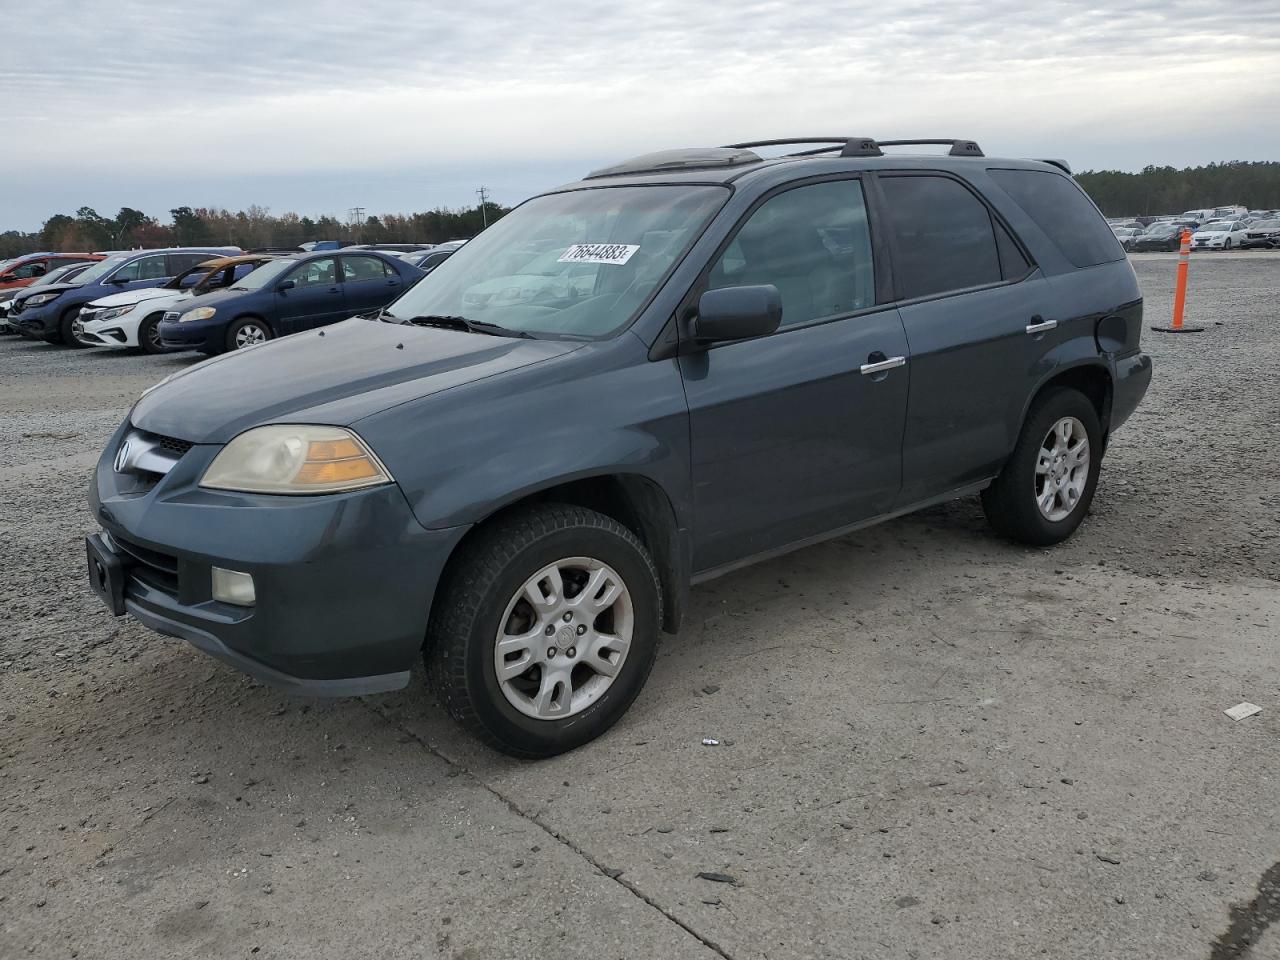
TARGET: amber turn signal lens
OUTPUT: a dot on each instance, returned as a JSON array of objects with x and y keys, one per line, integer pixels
[
  {"x": 336, "y": 471},
  {"x": 333, "y": 449}
]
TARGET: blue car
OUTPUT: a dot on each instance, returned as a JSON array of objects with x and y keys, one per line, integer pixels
[
  {"x": 288, "y": 295},
  {"x": 48, "y": 312}
]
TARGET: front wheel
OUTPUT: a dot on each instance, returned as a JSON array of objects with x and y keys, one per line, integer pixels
[
  {"x": 69, "y": 329},
  {"x": 1044, "y": 491},
  {"x": 1227, "y": 244},
  {"x": 149, "y": 334},
  {"x": 247, "y": 332},
  {"x": 545, "y": 629}
]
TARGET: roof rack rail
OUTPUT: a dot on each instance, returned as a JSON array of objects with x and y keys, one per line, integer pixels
[
  {"x": 959, "y": 148},
  {"x": 848, "y": 146}
]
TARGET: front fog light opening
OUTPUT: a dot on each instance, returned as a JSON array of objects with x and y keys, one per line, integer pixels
[{"x": 232, "y": 586}]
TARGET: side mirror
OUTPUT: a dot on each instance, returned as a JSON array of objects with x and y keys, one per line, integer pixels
[
  {"x": 736, "y": 313},
  {"x": 119, "y": 281},
  {"x": 284, "y": 285}
]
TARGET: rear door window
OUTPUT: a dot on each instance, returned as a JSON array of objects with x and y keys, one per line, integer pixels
[
  {"x": 944, "y": 238},
  {"x": 1062, "y": 210},
  {"x": 355, "y": 269}
]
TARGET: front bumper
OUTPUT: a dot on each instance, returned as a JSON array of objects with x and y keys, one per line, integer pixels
[
  {"x": 206, "y": 335},
  {"x": 119, "y": 332},
  {"x": 37, "y": 322},
  {"x": 343, "y": 582}
]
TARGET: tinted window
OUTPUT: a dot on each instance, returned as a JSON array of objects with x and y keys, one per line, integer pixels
[
  {"x": 944, "y": 239},
  {"x": 316, "y": 272},
  {"x": 145, "y": 268},
  {"x": 185, "y": 261},
  {"x": 1060, "y": 208},
  {"x": 812, "y": 243},
  {"x": 363, "y": 268},
  {"x": 35, "y": 268},
  {"x": 1013, "y": 263}
]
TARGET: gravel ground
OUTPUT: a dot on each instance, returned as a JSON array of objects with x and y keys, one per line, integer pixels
[{"x": 934, "y": 744}]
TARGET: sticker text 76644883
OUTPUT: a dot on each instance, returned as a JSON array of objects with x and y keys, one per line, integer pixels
[{"x": 615, "y": 253}]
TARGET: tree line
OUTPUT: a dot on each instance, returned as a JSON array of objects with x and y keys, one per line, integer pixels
[
  {"x": 251, "y": 228},
  {"x": 1153, "y": 190},
  {"x": 1162, "y": 190}
]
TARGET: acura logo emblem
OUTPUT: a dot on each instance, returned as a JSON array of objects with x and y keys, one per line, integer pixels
[{"x": 122, "y": 457}]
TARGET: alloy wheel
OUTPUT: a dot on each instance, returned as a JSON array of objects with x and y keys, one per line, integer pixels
[
  {"x": 1062, "y": 469},
  {"x": 563, "y": 638},
  {"x": 250, "y": 335}
]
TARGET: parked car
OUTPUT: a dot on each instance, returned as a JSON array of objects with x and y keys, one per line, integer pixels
[
  {"x": 285, "y": 296},
  {"x": 1262, "y": 233},
  {"x": 391, "y": 247},
  {"x": 430, "y": 259},
  {"x": 1218, "y": 236},
  {"x": 525, "y": 492},
  {"x": 63, "y": 274},
  {"x": 131, "y": 319},
  {"x": 1159, "y": 236},
  {"x": 1126, "y": 235},
  {"x": 22, "y": 271},
  {"x": 50, "y": 313}
]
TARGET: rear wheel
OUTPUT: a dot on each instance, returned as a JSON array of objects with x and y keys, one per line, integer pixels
[
  {"x": 1045, "y": 488},
  {"x": 149, "y": 334},
  {"x": 247, "y": 332},
  {"x": 545, "y": 630}
]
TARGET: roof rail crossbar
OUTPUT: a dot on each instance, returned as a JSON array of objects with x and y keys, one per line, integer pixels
[
  {"x": 959, "y": 148},
  {"x": 848, "y": 146}
]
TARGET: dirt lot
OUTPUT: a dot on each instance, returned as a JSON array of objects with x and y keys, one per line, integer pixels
[{"x": 934, "y": 744}]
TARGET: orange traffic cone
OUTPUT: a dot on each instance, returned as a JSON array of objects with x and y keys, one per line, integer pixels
[{"x": 1180, "y": 293}]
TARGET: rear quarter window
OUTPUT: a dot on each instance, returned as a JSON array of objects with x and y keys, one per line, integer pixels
[{"x": 1062, "y": 210}]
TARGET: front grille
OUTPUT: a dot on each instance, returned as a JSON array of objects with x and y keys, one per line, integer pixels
[
  {"x": 173, "y": 444},
  {"x": 156, "y": 569}
]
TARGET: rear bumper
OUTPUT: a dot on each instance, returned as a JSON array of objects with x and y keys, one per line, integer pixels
[{"x": 1131, "y": 379}]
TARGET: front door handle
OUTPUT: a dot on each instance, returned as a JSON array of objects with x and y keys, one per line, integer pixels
[
  {"x": 1039, "y": 325},
  {"x": 880, "y": 366}
]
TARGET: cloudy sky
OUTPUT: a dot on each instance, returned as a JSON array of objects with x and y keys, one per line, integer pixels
[{"x": 318, "y": 106}]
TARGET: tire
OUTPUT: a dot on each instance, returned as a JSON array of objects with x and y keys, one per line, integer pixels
[
  {"x": 64, "y": 334},
  {"x": 149, "y": 335},
  {"x": 240, "y": 335},
  {"x": 1226, "y": 245},
  {"x": 1013, "y": 501},
  {"x": 483, "y": 598}
]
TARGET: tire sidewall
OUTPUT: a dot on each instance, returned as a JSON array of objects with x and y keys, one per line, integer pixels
[
  {"x": 554, "y": 736},
  {"x": 1055, "y": 406}
]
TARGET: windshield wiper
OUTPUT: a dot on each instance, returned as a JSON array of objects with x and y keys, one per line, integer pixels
[{"x": 462, "y": 323}]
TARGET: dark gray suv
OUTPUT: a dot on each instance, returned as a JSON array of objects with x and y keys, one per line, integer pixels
[{"x": 677, "y": 366}]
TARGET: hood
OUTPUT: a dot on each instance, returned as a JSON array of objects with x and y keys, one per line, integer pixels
[
  {"x": 337, "y": 375},
  {"x": 126, "y": 297},
  {"x": 1210, "y": 234},
  {"x": 24, "y": 292}
]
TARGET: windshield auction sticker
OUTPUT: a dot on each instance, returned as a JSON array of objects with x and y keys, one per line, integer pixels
[{"x": 615, "y": 253}]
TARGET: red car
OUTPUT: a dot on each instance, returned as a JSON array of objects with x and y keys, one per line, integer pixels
[{"x": 20, "y": 271}]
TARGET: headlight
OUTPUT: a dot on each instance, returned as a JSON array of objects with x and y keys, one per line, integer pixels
[
  {"x": 288, "y": 458},
  {"x": 199, "y": 313},
  {"x": 113, "y": 312},
  {"x": 40, "y": 298}
]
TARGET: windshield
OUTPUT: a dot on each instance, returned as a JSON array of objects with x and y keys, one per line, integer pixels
[
  {"x": 1217, "y": 228},
  {"x": 265, "y": 274},
  {"x": 100, "y": 269},
  {"x": 577, "y": 264},
  {"x": 1163, "y": 230},
  {"x": 1267, "y": 224}
]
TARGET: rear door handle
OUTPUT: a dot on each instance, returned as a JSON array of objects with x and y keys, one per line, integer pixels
[
  {"x": 1040, "y": 325},
  {"x": 880, "y": 366}
]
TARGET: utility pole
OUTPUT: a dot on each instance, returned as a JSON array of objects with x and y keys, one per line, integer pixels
[{"x": 483, "y": 194}]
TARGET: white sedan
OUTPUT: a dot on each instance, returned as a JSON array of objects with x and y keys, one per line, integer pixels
[
  {"x": 1222, "y": 235},
  {"x": 130, "y": 319}
]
